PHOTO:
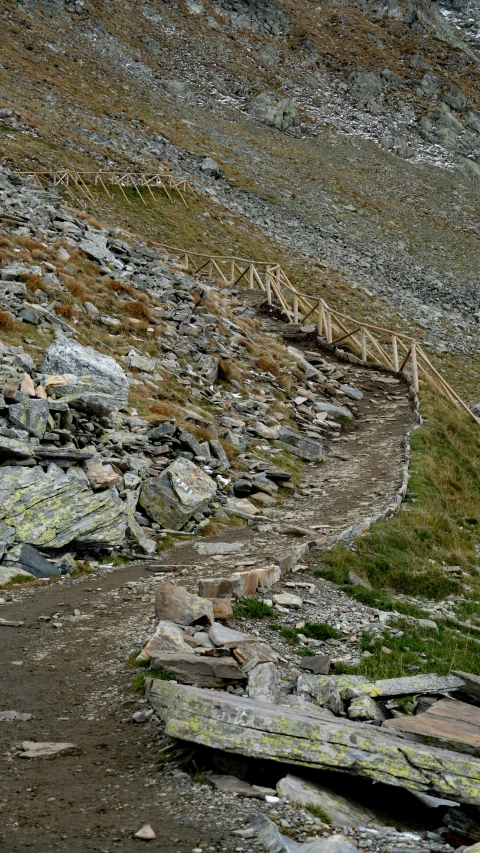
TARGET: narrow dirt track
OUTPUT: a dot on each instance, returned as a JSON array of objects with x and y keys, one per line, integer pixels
[{"x": 74, "y": 681}]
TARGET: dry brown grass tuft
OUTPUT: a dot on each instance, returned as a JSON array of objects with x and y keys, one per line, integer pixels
[
  {"x": 164, "y": 410},
  {"x": 33, "y": 282},
  {"x": 268, "y": 365},
  {"x": 120, "y": 287},
  {"x": 137, "y": 309},
  {"x": 66, "y": 311},
  {"x": 7, "y": 321},
  {"x": 77, "y": 290},
  {"x": 226, "y": 370}
]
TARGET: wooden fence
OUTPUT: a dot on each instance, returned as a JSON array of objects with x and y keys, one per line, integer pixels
[
  {"x": 80, "y": 183},
  {"x": 375, "y": 345}
]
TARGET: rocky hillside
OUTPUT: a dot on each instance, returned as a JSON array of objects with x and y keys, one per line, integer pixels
[{"x": 346, "y": 133}]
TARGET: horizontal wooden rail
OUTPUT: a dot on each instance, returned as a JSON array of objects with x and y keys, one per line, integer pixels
[
  {"x": 80, "y": 182},
  {"x": 336, "y": 326},
  {"x": 373, "y": 344}
]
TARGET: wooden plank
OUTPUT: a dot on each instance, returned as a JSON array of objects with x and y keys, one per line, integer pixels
[
  {"x": 449, "y": 723},
  {"x": 312, "y": 739}
]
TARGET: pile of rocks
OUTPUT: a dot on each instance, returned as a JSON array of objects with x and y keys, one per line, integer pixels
[{"x": 78, "y": 468}]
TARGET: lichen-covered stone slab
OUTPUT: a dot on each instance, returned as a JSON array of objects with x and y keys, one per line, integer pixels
[
  {"x": 51, "y": 511},
  {"x": 304, "y": 737}
]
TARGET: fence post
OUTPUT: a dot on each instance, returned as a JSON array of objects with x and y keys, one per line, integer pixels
[
  {"x": 363, "y": 340},
  {"x": 328, "y": 325},
  {"x": 268, "y": 285},
  {"x": 413, "y": 356},
  {"x": 295, "y": 307},
  {"x": 395, "y": 353},
  {"x": 320, "y": 319}
]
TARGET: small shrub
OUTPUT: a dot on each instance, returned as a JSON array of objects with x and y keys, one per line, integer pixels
[
  {"x": 7, "y": 321},
  {"x": 138, "y": 310},
  {"x": 77, "y": 290},
  {"x": 252, "y": 608}
]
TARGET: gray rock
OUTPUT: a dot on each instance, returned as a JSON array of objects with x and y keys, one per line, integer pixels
[
  {"x": 32, "y": 416},
  {"x": 29, "y": 560},
  {"x": 199, "y": 670},
  {"x": 305, "y": 448},
  {"x": 365, "y": 708},
  {"x": 356, "y": 580},
  {"x": 210, "y": 168},
  {"x": 275, "y": 110},
  {"x": 232, "y": 785},
  {"x": 263, "y": 683},
  {"x": 52, "y": 511},
  {"x": 175, "y": 604},
  {"x": 220, "y": 635},
  {"x": 340, "y": 810},
  {"x": 365, "y": 86},
  {"x": 168, "y": 637},
  {"x": 178, "y": 493},
  {"x": 97, "y": 372},
  {"x": 274, "y": 842},
  {"x": 92, "y": 312}
]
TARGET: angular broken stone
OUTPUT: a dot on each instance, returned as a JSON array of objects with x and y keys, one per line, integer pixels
[
  {"x": 175, "y": 604},
  {"x": 199, "y": 670},
  {"x": 177, "y": 493},
  {"x": 146, "y": 833},
  {"x": 317, "y": 664},
  {"x": 220, "y": 635},
  {"x": 167, "y": 638},
  {"x": 288, "y": 599},
  {"x": 97, "y": 372},
  {"x": 305, "y": 448},
  {"x": 44, "y": 749},
  {"x": 263, "y": 683},
  {"x": 232, "y": 785},
  {"x": 340, "y": 810}
]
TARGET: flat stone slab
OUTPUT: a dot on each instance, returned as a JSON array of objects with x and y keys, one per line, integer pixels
[
  {"x": 220, "y": 635},
  {"x": 44, "y": 749},
  {"x": 303, "y": 736},
  {"x": 200, "y": 670},
  {"x": 448, "y": 723}
]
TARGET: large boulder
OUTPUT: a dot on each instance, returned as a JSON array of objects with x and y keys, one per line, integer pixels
[
  {"x": 275, "y": 110},
  {"x": 96, "y": 372},
  {"x": 177, "y": 493}
]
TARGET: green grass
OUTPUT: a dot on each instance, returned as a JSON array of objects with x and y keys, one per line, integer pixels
[
  {"x": 316, "y": 811},
  {"x": 315, "y": 630},
  {"x": 405, "y": 553},
  {"x": 444, "y": 649},
  {"x": 252, "y": 608}
]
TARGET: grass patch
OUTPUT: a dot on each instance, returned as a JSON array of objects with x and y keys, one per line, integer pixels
[
  {"x": 252, "y": 608},
  {"x": 319, "y": 631},
  {"x": 316, "y": 811},
  {"x": 408, "y": 552},
  {"x": 444, "y": 650}
]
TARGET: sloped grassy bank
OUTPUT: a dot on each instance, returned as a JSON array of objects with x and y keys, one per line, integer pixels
[{"x": 425, "y": 561}]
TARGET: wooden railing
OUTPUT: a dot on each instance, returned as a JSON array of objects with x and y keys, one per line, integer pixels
[
  {"x": 373, "y": 344},
  {"x": 80, "y": 182}
]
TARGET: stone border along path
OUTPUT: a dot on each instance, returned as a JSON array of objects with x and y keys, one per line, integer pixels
[{"x": 66, "y": 664}]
